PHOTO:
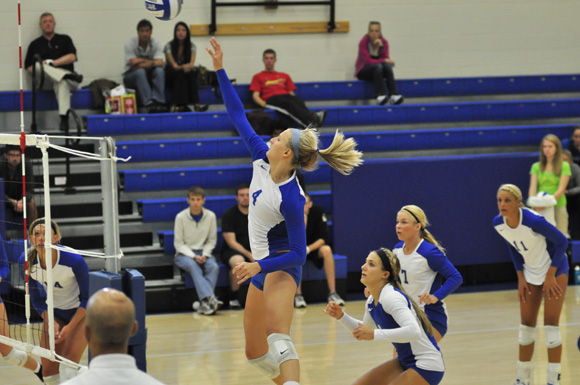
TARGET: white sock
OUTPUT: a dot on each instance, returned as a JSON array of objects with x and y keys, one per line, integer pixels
[
  {"x": 554, "y": 372},
  {"x": 524, "y": 370}
]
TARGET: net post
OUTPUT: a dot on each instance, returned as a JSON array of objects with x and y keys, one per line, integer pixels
[{"x": 108, "y": 151}]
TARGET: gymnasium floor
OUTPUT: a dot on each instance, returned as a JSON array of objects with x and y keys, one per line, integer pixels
[{"x": 480, "y": 348}]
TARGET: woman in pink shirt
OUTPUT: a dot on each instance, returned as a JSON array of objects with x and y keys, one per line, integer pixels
[{"x": 374, "y": 65}]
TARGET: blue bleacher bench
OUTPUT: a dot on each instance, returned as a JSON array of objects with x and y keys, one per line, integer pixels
[
  {"x": 208, "y": 177},
  {"x": 368, "y": 141},
  {"x": 345, "y": 116},
  {"x": 165, "y": 209}
]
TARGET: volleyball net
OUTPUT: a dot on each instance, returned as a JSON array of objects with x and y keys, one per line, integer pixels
[{"x": 33, "y": 185}]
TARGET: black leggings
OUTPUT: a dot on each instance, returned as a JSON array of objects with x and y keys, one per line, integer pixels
[{"x": 377, "y": 74}]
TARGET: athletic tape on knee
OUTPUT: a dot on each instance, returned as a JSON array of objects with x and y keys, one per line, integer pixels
[
  {"x": 52, "y": 380},
  {"x": 16, "y": 357},
  {"x": 282, "y": 348},
  {"x": 526, "y": 335},
  {"x": 552, "y": 336},
  {"x": 267, "y": 365}
]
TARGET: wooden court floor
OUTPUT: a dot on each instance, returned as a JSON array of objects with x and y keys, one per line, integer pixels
[{"x": 480, "y": 347}]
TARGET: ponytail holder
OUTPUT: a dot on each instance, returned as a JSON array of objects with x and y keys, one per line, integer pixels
[
  {"x": 317, "y": 150},
  {"x": 296, "y": 142}
]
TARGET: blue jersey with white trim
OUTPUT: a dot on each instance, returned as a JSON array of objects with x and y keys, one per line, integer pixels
[
  {"x": 70, "y": 276},
  {"x": 276, "y": 214},
  {"x": 534, "y": 245},
  {"x": 423, "y": 271},
  {"x": 394, "y": 311}
]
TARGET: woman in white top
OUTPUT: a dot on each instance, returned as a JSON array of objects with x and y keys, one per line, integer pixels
[{"x": 390, "y": 315}]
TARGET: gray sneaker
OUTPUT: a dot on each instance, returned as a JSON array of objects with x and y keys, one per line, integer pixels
[
  {"x": 215, "y": 303},
  {"x": 235, "y": 304},
  {"x": 336, "y": 298},
  {"x": 299, "y": 302},
  {"x": 396, "y": 99},
  {"x": 205, "y": 308}
]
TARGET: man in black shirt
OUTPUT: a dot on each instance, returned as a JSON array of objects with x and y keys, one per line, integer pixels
[
  {"x": 11, "y": 172},
  {"x": 318, "y": 250},
  {"x": 236, "y": 245},
  {"x": 58, "y": 54}
]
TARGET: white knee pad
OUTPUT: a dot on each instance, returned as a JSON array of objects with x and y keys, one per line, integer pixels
[
  {"x": 16, "y": 357},
  {"x": 552, "y": 335},
  {"x": 52, "y": 380},
  {"x": 282, "y": 348},
  {"x": 526, "y": 335},
  {"x": 267, "y": 365}
]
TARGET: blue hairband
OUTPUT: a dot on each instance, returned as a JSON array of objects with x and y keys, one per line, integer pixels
[{"x": 296, "y": 142}]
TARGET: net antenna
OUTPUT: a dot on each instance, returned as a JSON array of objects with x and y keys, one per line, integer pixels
[{"x": 112, "y": 251}]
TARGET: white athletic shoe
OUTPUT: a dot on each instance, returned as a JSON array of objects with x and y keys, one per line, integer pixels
[
  {"x": 235, "y": 304},
  {"x": 396, "y": 99},
  {"x": 521, "y": 382},
  {"x": 195, "y": 305},
  {"x": 336, "y": 298},
  {"x": 299, "y": 302},
  {"x": 215, "y": 303},
  {"x": 206, "y": 309},
  {"x": 382, "y": 100}
]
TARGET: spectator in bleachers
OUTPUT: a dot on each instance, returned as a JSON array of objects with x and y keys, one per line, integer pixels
[
  {"x": 180, "y": 72},
  {"x": 236, "y": 246},
  {"x": 58, "y": 55},
  {"x": 275, "y": 90},
  {"x": 573, "y": 197},
  {"x": 573, "y": 145},
  {"x": 318, "y": 250},
  {"x": 144, "y": 68},
  {"x": 551, "y": 175},
  {"x": 374, "y": 64},
  {"x": 195, "y": 239},
  {"x": 11, "y": 172}
]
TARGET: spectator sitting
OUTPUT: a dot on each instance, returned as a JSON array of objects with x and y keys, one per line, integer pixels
[
  {"x": 58, "y": 54},
  {"x": 236, "y": 246},
  {"x": 180, "y": 73},
  {"x": 110, "y": 322},
  {"x": 195, "y": 239},
  {"x": 573, "y": 196},
  {"x": 144, "y": 68},
  {"x": 318, "y": 250},
  {"x": 275, "y": 90},
  {"x": 11, "y": 172},
  {"x": 573, "y": 145},
  {"x": 373, "y": 64}
]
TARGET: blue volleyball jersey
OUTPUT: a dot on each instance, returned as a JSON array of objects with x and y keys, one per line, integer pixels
[
  {"x": 423, "y": 271},
  {"x": 534, "y": 245},
  {"x": 399, "y": 324},
  {"x": 276, "y": 214},
  {"x": 70, "y": 277}
]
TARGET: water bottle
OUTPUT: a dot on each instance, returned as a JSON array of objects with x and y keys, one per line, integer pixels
[{"x": 577, "y": 275}]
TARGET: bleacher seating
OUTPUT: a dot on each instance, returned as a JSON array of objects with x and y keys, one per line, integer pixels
[
  {"x": 163, "y": 210},
  {"x": 368, "y": 141}
]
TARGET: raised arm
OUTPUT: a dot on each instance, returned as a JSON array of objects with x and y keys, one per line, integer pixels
[{"x": 234, "y": 106}]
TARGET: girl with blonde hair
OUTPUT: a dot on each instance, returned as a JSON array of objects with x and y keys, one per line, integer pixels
[
  {"x": 538, "y": 251},
  {"x": 424, "y": 265},
  {"x": 277, "y": 230},
  {"x": 391, "y": 315},
  {"x": 551, "y": 175}
]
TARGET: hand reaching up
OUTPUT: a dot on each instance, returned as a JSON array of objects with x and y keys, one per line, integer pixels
[{"x": 216, "y": 54}]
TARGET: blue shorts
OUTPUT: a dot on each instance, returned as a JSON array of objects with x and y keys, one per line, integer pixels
[
  {"x": 64, "y": 315},
  {"x": 431, "y": 376},
  {"x": 436, "y": 314},
  {"x": 295, "y": 272}
]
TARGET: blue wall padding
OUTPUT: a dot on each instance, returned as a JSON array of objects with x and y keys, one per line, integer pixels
[{"x": 458, "y": 194}]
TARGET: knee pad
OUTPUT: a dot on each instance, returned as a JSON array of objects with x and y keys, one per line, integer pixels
[
  {"x": 526, "y": 335},
  {"x": 552, "y": 336},
  {"x": 16, "y": 357},
  {"x": 267, "y": 365},
  {"x": 282, "y": 348},
  {"x": 52, "y": 380}
]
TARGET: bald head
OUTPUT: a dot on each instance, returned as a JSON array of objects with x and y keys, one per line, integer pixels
[{"x": 110, "y": 320}]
